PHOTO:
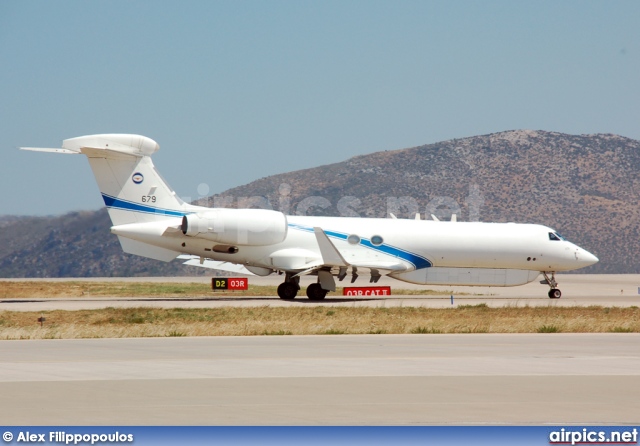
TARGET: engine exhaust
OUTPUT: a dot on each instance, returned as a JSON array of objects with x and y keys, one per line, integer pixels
[{"x": 185, "y": 225}]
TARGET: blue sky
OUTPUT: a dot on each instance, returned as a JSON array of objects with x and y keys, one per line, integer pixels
[{"x": 238, "y": 90}]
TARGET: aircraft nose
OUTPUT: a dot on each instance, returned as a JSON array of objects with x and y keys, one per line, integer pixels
[{"x": 585, "y": 257}]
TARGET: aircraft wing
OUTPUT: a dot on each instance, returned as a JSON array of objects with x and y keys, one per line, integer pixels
[
  {"x": 386, "y": 267},
  {"x": 214, "y": 264},
  {"x": 332, "y": 257}
]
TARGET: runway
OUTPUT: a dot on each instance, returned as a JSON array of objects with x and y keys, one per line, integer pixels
[
  {"x": 578, "y": 290},
  {"x": 323, "y": 380}
]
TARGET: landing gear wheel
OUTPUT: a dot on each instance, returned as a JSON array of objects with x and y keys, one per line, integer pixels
[
  {"x": 554, "y": 293},
  {"x": 288, "y": 290},
  {"x": 315, "y": 292}
]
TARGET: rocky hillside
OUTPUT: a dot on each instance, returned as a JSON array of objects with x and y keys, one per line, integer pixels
[
  {"x": 78, "y": 244},
  {"x": 586, "y": 187}
]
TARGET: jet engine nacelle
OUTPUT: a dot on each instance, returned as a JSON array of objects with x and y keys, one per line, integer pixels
[{"x": 256, "y": 227}]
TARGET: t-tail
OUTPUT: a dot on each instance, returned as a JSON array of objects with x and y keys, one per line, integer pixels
[{"x": 132, "y": 189}]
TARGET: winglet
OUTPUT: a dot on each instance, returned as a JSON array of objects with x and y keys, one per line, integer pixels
[{"x": 330, "y": 254}]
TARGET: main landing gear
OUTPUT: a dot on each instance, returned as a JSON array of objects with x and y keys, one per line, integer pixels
[
  {"x": 316, "y": 292},
  {"x": 289, "y": 289},
  {"x": 554, "y": 292}
]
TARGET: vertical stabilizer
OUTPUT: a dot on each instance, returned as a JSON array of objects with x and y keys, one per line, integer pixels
[{"x": 132, "y": 190}]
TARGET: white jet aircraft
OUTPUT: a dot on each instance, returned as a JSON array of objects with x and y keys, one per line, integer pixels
[{"x": 150, "y": 220}]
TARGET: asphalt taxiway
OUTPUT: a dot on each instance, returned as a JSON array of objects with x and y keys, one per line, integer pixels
[{"x": 323, "y": 380}]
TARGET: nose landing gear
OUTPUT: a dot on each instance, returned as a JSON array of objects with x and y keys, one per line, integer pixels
[{"x": 554, "y": 292}]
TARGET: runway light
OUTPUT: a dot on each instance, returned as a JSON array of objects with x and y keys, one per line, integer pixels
[{"x": 41, "y": 319}]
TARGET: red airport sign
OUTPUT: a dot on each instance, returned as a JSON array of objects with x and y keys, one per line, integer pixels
[
  {"x": 229, "y": 283},
  {"x": 366, "y": 291}
]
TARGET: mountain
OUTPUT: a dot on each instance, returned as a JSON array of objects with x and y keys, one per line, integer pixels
[
  {"x": 584, "y": 186},
  {"x": 77, "y": 244}
]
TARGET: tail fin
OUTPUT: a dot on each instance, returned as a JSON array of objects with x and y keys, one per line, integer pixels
[{"x": 132, "y": 190}]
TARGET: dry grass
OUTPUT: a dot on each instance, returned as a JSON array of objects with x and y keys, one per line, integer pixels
[
  {"x": 42, "y": 289},
  {"x": 38, "y": 289},
  {"x": 154, "y": 322}
]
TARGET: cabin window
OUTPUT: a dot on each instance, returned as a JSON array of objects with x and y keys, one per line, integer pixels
[
  {"x": 353, "y": 239},
  {"x": 376, "y": 240}
]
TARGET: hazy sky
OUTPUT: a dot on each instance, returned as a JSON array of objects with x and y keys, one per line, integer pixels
[{"x": 237, "y": 90}]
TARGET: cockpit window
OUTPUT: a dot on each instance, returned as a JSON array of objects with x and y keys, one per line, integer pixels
[{"x": 555, "y": 236}]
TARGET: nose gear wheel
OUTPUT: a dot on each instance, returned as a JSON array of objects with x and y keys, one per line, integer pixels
[{"x": 554, "y": 292}]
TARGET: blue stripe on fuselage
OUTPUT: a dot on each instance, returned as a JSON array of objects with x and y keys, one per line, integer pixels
[
  {"x": 125, "y": 205},
  {"x": 417, "y": 260}
]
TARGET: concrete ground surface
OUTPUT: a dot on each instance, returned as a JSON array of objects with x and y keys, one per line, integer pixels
[
  {"x": 323, "y": 380},
  {"x": 331, "y": 380}
]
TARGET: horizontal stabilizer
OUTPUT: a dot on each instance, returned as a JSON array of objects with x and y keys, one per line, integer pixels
[
  {"x": 44, "y": 149},
  {"x": 105, "y": 145}
]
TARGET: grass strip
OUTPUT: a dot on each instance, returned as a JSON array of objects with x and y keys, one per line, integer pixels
[
  {"x": 79, "y": 289},
  {"x": 279, "y": 321}
]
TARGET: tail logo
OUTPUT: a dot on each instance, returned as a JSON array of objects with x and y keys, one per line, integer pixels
[{"x": 137, "y": 178}]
